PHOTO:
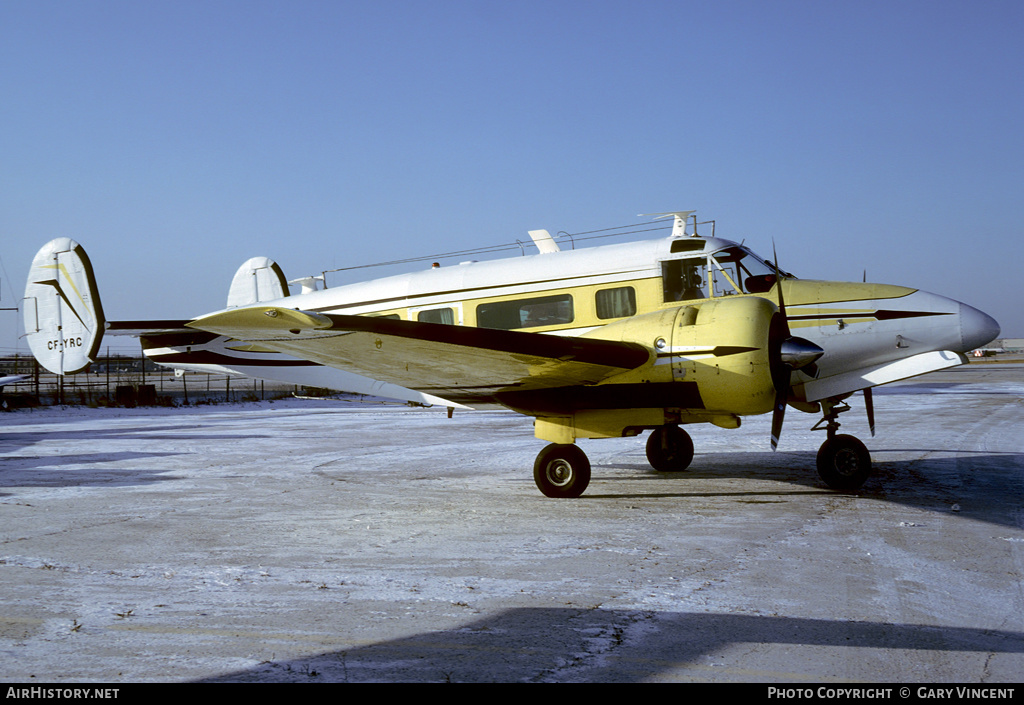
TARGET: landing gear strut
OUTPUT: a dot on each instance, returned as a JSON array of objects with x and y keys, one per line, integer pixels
[
  {"x": 843, "y": 461},
  {"x": 669, "y": 449}
]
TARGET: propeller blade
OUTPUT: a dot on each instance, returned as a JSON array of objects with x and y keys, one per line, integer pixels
[
  {"x": 869, "y": 405},
  {"x": 782, "y": 378},
  {"x": 778, "y": 285},
  {"x": 778, "y": 414}
]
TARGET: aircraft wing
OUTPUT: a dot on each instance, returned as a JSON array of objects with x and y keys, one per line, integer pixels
[{"x": 456, "y": 362}]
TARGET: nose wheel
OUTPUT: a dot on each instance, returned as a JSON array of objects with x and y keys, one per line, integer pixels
[{"x": 844, "y": 463}]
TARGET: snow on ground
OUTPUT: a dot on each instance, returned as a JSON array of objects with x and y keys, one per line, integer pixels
[{"x": 326, "y": 540}]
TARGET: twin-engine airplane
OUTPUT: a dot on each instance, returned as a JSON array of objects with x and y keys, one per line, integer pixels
[{"x": 599, "y": 342}]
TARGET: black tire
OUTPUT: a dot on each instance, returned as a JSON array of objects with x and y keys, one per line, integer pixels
[
  {"x": 561, "y": 470},
  {"x": 669, "y": 449},
  {"x": 844, "y": 463}
]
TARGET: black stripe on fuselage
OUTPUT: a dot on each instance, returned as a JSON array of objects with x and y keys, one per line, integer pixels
[
  {"x": 720, "y": 351},
  {"x": 880, "y": 315}
]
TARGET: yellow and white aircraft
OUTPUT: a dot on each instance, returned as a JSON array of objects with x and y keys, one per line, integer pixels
[{"x": 597, "y": 342}]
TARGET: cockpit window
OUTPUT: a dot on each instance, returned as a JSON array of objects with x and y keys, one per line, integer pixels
[
  {"x": 737, "y": 270},
  {"x": 733, "y": 270}
]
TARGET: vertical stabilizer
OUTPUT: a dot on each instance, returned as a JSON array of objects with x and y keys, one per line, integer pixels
[
  {"x": 64, "y": 320},
  {"x": 258, "y": 279}
]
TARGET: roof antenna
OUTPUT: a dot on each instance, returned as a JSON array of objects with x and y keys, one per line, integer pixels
[{"x": 679, "y": 226}]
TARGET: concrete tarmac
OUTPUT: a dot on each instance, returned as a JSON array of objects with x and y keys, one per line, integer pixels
[{"x": 319, "y": 541}]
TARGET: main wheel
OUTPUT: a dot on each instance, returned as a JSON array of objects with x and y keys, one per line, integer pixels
[
  {"x": 844, "y": 462},
  {"x": 669, "y": 449},
  {"x": 562, "y": 470}
]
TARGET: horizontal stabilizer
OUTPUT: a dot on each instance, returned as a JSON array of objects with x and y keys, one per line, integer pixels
[{"x": 138, "y": 329}]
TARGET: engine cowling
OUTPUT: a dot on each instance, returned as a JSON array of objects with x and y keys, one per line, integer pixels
[
  {"x": 711, "y": 363},
  {"x": 723, "y": 346}
]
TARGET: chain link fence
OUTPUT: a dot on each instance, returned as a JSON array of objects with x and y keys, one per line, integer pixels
[{"x": 125, "y": 381}]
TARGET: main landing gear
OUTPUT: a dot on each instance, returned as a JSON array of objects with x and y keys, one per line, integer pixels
[
  {"x": 563, "y": 470},
  {"x": 669, "y": 449},
  {"x": 843, "y": 461}
]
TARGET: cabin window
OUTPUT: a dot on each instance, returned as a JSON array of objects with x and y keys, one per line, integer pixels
[
  {"x": 437, "y": 315},
  {"x": 389, "y": 316},
  {"x": 616, "y": 303},
  {"x": 684, "y": 279},
  {"x": 526, "y": 313}
]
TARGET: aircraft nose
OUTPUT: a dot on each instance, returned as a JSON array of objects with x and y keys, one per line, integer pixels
[{"x": 976, "y": 328}]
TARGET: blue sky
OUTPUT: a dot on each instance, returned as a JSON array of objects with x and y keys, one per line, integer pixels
[{"x": 175, "y": 140}]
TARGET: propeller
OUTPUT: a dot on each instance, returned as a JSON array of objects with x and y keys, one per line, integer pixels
[{"x": 786, "y": 353}]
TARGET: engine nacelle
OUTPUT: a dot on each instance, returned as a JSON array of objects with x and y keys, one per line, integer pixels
[
  {"x": 724, "y": 348},
  {"x": 712, "y": 364}
]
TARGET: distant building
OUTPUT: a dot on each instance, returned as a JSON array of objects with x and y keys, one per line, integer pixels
[{"x": 1000, "y": 346}]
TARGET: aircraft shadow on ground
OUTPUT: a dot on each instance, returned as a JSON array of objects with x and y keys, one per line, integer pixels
[
  {"x": 985, "y": 485},
  {"x": 58, "y": 470},
  {"x": 61, "y": 471},
  {"x": 551, "y": 644},
  {"x": 17, "y": 439}
]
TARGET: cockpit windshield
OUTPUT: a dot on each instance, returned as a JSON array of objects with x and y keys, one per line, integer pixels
[
  {"x": 731, "y": 270},
  {"x": 737, "y": 270}
]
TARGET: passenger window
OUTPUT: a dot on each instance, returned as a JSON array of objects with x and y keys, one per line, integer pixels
[
  {"x": 616, "y": 303},
  {"x": 526, "y": 313},
  {"x": 437, "y": 315}
]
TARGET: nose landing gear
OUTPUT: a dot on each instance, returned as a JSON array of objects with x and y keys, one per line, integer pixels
[{"x": 843, "y": 461}]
